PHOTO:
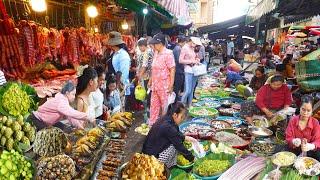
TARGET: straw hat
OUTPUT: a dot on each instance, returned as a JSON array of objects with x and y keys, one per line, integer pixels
[
  {"x": 115, "y": 39},
  {"x": 196, "y": 41}
]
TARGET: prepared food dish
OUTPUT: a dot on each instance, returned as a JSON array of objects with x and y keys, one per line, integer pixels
[
  {"x": 307, "y": 166},
  {"x": 229, "y": 139},
  {"x": 142, "y": 166},
  {"x": 263, "y": 147},
  {"x": 227, "y": 111},
  {"x": 216, "y": 124},
  {"x": 284, "y": 159},
  {"x": 209, "y": 167},
  {"x": 198, "y": 131}
]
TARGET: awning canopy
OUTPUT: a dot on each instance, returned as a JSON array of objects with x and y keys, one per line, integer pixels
[
  {"x": 179, "y": 8},
  {"x": 232, "y": 23},
  {"x": 264, "y": 7},
  {"x": 138, "y": 5}
]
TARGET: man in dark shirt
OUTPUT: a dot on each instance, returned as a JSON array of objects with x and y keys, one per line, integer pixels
[{"x": 179, "y": 75}]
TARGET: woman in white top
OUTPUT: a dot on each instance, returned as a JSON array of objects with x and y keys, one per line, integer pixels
[
  {"x": 97, "y": 96},
  {"x": 189, "y": 59},
  {"x": 87, "y": 83}
]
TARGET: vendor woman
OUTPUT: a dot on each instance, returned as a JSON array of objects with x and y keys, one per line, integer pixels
[
  {"x": 270, "y": 99},
  {"x": 57, "y": 109},
  {"x": 165, "y": 140},
  {"x": 303, "y": 131}
]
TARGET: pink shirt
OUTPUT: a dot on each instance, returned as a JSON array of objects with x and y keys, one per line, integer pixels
[
  {"x": 187, "y": 57},
  {"x": 56, "y": 109},
  {"x": 161, "y": 65}
]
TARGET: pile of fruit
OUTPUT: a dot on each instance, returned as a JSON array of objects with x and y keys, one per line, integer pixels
[
  {"x": 182, "y": 161},
  {"x": 14, "y": 166},
  {"x": 88, "y": 143},
  {"x": 143, "y": 129},
  {"x": 57, "y": 167},
  {"x": 142, "y": 166},
  {"x": 50, "y": 142},
  {"x": 15, "y": 101},
  {"x": 120, "y": 121},
  {"x": 15, "y": 131}
]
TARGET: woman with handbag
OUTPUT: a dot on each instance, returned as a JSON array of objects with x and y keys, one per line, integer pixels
[{"x": 189, "y": 59}]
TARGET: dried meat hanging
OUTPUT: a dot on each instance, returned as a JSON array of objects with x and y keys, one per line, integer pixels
[{"x": 10, "y": 56}]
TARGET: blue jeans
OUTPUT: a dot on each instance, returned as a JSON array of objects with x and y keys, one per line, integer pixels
[{"x": 190, "y": 82}]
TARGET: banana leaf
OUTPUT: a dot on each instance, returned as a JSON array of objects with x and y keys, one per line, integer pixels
[{"x": 179, "y": 174}]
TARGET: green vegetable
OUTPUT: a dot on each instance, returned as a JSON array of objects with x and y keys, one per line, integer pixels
[
  {"x": 182, "y": 161},
  {"x": 187, "y": 144},
  {"x": 211, "y": 167},
  {"x": 14, "y": 166}
]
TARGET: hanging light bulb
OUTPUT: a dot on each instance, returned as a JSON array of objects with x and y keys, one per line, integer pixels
[
  {"x": 92, "y": 11},
  {"x": 125, "y": 25},
  {"x": 145, "y": 11},
  {"x": 38, "y": 5}
]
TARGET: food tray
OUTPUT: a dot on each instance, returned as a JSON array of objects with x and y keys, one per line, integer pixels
[
  {"x": 301, "y": 167},
  {"x": 213, "y": 156},
  {"x": 216, "y": 123},
  {"x": 259, "y": 144},
  {"x": 234, "y": 100},
  {"x": 227, "y": 111},
  {"x": 202, "y": 133},
  {"x": 232, "y": 120},
  {"x": 264, "y": 131},
  {"x": 123, "y": 166},
  {"x": 287, "y": 156},
  {"x": 193, "y": 110}
]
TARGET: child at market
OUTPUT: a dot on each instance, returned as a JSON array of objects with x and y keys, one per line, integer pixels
[
  {"x": 112, "y": 95},
  {"x": 97, "y": 97},
  {"x": 303, "y": 131}
]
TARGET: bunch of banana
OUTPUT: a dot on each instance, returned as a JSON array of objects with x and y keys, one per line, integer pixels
[
  {"x": 89, "y": 142},
  {"x": 120, "y": 121}
]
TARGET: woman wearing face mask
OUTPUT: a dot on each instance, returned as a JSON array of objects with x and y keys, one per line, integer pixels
[
  {"x": 96, "y": 97},
  {"x": 188, "y": 58},
  {"x": 57, "y": 109},
  {"x": 270, "y": 99},
  {"x": 303, "y": 131},
  {"x": 164, "y": 139},
  {"x": 87, "y": 83}
]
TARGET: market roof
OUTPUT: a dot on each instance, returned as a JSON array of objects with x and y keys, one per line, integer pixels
[{"x": 223, "y": 25}]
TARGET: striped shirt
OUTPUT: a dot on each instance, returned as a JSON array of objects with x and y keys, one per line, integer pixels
[{"x": 2, "y": 78}]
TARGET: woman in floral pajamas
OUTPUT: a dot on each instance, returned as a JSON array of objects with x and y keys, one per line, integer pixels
[{"x": 162, "y": 77}]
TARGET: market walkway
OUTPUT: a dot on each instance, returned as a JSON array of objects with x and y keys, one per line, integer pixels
[{"x": 134, "y": 140}]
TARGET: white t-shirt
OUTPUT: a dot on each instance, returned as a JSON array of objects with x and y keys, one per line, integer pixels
[
  {"x": 230, "y": 46},
  {"x": 2, "y": 78},
  {"x": 96, "y": 102}
]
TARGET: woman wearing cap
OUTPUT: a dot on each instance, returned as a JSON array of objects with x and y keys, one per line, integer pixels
[
  {"x": 188, "y": 58},
  {"x": 162, "y": 77},
  {"x": 58, "y": 108}
]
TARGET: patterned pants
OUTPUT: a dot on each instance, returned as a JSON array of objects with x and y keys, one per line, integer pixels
[
  {"x": 168, "y": 156},
  {"x": 159, "y": 101}
]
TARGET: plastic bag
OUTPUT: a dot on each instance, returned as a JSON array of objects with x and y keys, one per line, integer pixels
[
  {"x": 140, "y": 93},
  {"x": 198, "y": 149},
  {"x": 199, "y": 69}
]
